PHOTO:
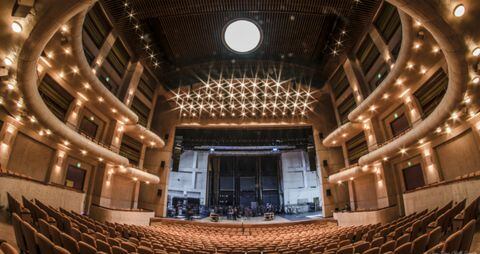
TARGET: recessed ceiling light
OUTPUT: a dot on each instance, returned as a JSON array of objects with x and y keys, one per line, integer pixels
[
  {"x": 459, "y": 10},
  {"x": 242, "y": 36},
  {"x": 7, "y": 61},
  {"x": 476, "y": 51},
  {"x": 16, "y": 27}
]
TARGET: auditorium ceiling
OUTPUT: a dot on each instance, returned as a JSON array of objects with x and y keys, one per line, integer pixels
[{"x": 185, "y": 37}]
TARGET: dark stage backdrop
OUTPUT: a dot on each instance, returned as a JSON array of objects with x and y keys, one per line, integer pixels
[{"x": 245, "y": 180}]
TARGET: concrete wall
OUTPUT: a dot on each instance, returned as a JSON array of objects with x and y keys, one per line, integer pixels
[
  {"x": 131, "y": 217},
  {"x": 30, "y": 157},
  {"x": 453, "y": 153},
  {"x": 191, "y": 179},
  {"x": 441, "y": 194},
  {"x": 365, "y": 194},
  {"x": 300, "y": 185},
  {"x": 48, "y": 194},
  {"x": 383, "y": 216}
]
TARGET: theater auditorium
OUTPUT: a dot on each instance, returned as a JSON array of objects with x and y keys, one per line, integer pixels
[{"x": 239, "y": 126}]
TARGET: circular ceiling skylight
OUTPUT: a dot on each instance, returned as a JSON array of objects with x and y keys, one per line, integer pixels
[{"x": 242, "y": 36}]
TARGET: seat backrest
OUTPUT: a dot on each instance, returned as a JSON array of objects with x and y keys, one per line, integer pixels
[
  {"x": 361, "y": 246},
  {"x": 60, "y": 250},
  {"x": 44, "y": 244},
  {"x": 419, "y": 245},
  {"x": 69, "y": 243},
  {"x": 55, "y": 235},
  {"x": 17, "y": 229},
  {"x": 452, "y": 244},
  {"x": 44, "y": 227},
  {"x": 444, "y": 208},
  {"x": 402, "y": 239},
  {"x": 88, "y": 239},
  {"x": 6, "y": 248},
  {"x": 130, "y": 247},
  {"x": 118, "y": 250},
  {"x": 29, "y": 234},
  {"x": 375, "y": 250},
  {"x": 377, "y": 242},
  {"x": 470, "y": 212},
  {"x": 85, "y": 248},
  {"x": 435, "y": 249},
  {"x": 103, "y": 246},
  {"x": 113, "y": 242},
  {"x": 467, "y": 236},
  {"x": 144, "y": 250},
  {"x": 403, "y": 249},
  {"x": 388, "y": 246},
  {"x": 345, "y": 250}
]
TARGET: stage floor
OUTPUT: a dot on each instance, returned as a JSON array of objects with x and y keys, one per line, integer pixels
[{"x": 261, "y": 220}]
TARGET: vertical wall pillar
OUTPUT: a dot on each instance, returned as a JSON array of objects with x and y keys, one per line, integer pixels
[
  {"x": 412, "y": 108},
  {"x": 104, "y": 50},
  {"x": 432, "y": 173},
  {"x": 331, "y": 197},
  {"x": 131, "y": 80},
  {"x": 58, "y": 169},
  {"x": 355, "y": 79},
  {"x": 72, "y": 116},
  {"x": 157, "y": 161},
  {"x": 381, "y": 45},
  {"x": 7, "y": 136}
]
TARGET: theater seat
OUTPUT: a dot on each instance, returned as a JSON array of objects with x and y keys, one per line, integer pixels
[
  {"x": 29, "y": 234},
  {"x": 452, "y": 244},
  {"x": 69, "y": 243},
  {"x": 375, "y": 250},
  {"x": 419, "y": 245},
  {"x": 388, "y": 246},
  {"x": 85, "y": 248},
  {"x": 45, "y": 245},
  {"x": 467, "y": 237},
  {"x": 118, "y": 250},
  {"x": 17, "y": 229},
  {"x": 60, "y": 250},
  {"x": 6, "y": 248},
  {"x": 434, "y": 237},
  {"x": 404, "y": 249}
]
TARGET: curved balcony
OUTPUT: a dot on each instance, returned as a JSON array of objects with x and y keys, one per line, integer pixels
[
  {"x": 399, "y": 67},
  {"x": 28, "y": 78},
  {"x": 122, "y": 111},
  {"x": 145, "y": 135},
  {"x": 349, "y": 173},
  {"x": 339, "y": 135},
  {"x": 455, "y": 55}
]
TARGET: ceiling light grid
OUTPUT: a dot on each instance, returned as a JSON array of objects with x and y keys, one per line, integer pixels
[
  {"x": 245, "y": 98},
  {"x": 137, "y": 27}
]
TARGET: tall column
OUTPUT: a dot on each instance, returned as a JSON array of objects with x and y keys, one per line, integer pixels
[
  {"x": 331, "y": 196},
  {"x": 428, "y": 155},
  {"x": 130, "y": 84},
  {"x": 380, "y": 44},
  {"x": 356, "y": 79},
  {"x": 104, "y": 50},
  {"x": 158, "y": 161}
]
